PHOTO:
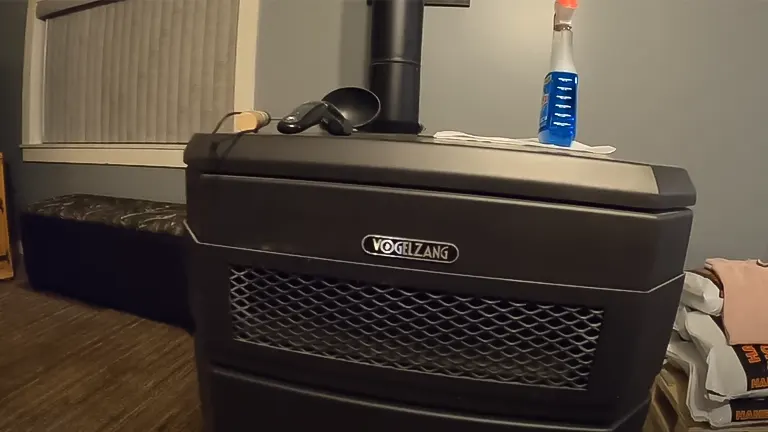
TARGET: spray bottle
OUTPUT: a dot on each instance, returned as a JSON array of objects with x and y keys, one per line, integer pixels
[{"x": 557, "y": 124}]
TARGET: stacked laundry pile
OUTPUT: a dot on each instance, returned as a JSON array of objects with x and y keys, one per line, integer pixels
[{"x": 721, "y": 342}]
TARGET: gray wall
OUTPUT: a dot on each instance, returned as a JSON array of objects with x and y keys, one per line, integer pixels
[
  {"x": 674, "y": 88},
  {"x": 47, "y": 180},
  {"x": 12, "y": 21},
  {"x": 665, "y": 81}
]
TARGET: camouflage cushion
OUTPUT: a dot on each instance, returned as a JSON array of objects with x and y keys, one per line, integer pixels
[{"x": 142, "y": 215}]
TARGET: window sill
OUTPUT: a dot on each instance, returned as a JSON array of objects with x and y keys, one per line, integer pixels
[{"x": 146, "y": 155}]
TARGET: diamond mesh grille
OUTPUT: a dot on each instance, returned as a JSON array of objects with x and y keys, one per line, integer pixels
[{"x": 479, "y": 338}]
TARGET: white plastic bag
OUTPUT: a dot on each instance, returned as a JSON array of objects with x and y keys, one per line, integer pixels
[
  {"x": 701, "y": 294},
  {"x": 679, "y": 324},
  {"x": 733, "y": 372},
  {"x": 684, "y": 355},
  {"x": 741, "y": 412}
]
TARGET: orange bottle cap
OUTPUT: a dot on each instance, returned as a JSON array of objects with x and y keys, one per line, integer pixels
[{"x": 570, "y": 4}]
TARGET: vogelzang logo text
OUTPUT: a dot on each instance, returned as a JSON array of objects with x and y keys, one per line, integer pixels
[{"x": 422, "y": 250}]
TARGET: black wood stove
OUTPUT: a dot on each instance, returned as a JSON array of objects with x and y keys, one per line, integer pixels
[
  {"x": 385, "y": 283},
  {"x": 380, "y": 283}
]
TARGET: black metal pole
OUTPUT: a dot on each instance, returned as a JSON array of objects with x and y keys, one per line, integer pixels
[{"x": 395, "y": 70}]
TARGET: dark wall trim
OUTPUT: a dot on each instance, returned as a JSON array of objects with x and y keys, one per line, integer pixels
[{"x": 47, "y": 9}]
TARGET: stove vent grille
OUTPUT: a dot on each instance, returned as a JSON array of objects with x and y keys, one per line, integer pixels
[{"x": 464, "y": 336}]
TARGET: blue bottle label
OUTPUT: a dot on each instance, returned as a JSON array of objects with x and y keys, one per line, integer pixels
[{"x": 557, "y": 124}]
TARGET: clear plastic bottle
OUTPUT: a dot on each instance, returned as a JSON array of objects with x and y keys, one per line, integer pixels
[{"x": 557, "y": 124}]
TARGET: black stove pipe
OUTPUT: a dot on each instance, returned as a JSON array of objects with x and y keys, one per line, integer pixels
[{"x": 395, "y": 70}]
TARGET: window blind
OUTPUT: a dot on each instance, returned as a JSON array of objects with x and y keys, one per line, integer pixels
[{"x": 139, "y": 71}]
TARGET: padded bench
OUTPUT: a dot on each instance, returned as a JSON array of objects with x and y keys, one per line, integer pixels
[{"x": 119, "y": 253}]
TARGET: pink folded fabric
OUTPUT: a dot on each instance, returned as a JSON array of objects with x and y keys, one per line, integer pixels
[{"x": 745, "y": 286}]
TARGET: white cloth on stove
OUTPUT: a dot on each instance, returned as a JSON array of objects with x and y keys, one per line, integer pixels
[{"x": 575, "y": 146}]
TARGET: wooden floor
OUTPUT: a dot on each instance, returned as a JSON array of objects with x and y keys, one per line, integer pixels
[{"x": 67, "y": 367}]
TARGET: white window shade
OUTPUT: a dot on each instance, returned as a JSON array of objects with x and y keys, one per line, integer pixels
[
  {"x": 134, "y": 76},
  {"x": 140, "y": 71}
]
